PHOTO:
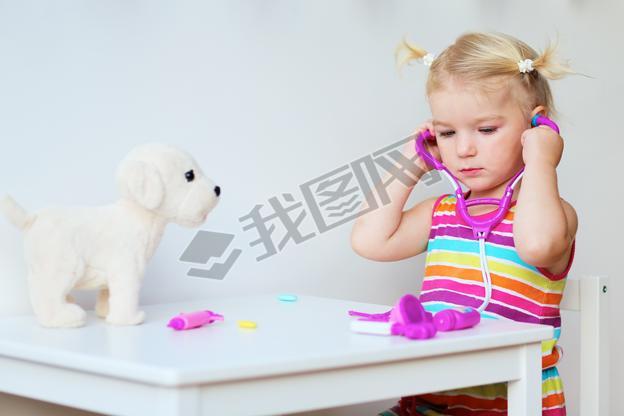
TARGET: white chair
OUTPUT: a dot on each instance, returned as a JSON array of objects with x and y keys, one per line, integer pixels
[{"x": 589, "y": 296}]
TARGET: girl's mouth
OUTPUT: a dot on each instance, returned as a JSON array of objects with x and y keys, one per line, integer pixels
[{"x": 471, "y": 171}]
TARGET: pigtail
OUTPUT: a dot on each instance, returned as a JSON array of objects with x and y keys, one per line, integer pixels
[
  {"x": 549, "y": 66},
  {"x": 407, "y": 52}
]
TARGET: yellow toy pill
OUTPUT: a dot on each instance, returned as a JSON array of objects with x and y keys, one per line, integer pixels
[{"x": 247, "y": 324}]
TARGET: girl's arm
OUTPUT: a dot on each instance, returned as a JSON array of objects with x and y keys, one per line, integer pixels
[
  {"x": 389, "y": 233},
  {"x": 544, "y": 224}
]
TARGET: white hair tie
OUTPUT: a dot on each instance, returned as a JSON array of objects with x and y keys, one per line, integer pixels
[
  {"x": 525, "y": 66},
  {"x": 428, "y": 59}
]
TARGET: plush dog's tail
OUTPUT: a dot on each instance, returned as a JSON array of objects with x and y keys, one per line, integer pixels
[{"x": 15, "y": 213}]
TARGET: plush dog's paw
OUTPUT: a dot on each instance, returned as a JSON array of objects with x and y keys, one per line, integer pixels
[
  {"x": 135, "y": 319},
  {"x": 66, "y": 316}
]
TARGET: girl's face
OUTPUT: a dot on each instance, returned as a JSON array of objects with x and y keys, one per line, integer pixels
[{"x": 478, "y": 135}]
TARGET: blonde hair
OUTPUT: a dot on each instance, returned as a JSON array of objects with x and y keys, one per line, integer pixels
[{"x": 477, "y": 57}]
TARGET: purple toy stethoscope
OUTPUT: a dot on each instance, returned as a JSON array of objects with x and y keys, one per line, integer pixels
[{"x": 480, "y": 228}]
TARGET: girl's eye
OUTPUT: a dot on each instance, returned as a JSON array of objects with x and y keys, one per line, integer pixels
[
  {"x": 446, "y": 133},
  {"x": 488, "y": 130}
]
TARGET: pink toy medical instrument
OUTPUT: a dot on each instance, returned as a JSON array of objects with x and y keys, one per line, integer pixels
[
  {"x": 480, "y": 228},
  {"x": 453, "y": 320},
  {"x": 193, "y": 320},
  {"x": 408, "y": 318}
]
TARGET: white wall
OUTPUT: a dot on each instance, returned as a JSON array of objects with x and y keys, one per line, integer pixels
[{"x": 267, "y": 96}]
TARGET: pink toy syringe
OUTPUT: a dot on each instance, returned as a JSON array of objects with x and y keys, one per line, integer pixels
[{"x": 193, "y": 320}]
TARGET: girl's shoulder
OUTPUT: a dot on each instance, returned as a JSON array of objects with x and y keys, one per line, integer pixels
[{"x": 445, "y": 200}]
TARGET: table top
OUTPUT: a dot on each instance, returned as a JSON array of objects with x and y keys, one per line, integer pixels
[{"x": 311, "y": 334}]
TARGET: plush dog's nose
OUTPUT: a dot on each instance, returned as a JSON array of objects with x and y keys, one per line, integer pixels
[{"x": 217, "y": 190}]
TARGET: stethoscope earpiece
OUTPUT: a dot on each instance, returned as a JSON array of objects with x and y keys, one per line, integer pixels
[{"x": 540, "y": 120}]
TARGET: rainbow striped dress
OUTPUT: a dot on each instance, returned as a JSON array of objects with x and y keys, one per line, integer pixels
[{"x": 520, "y": 292}]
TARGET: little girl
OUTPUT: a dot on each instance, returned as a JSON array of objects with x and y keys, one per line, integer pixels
[{"x": 483, "y": 91}]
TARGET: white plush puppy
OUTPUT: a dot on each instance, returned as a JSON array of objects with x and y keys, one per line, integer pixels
[{"x": 108, "y": 247}]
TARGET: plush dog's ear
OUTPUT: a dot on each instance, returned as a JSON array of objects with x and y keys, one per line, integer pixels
[{"x": 142, "y": 182}]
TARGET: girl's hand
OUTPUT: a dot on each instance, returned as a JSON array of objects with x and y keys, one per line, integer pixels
[
  {"x": 541, "y": 144},
  {"x": 431, "y": 145}
]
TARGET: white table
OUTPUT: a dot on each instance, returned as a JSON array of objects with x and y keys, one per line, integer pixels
[{"x": 301, "y": 357}]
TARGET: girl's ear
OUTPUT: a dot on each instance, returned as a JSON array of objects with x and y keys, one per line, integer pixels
[{"x": 540, "y": 109}]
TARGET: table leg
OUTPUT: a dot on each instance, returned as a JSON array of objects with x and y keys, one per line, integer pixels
[
  {"x": 525, "y": 394},
  {"x": 184, "y": 401}
]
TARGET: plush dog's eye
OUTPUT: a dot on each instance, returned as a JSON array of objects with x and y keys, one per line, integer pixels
[{"x": 190, "y": 175}]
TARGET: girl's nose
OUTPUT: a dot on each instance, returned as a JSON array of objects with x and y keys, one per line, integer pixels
[{"x": 465, "y": 146}]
